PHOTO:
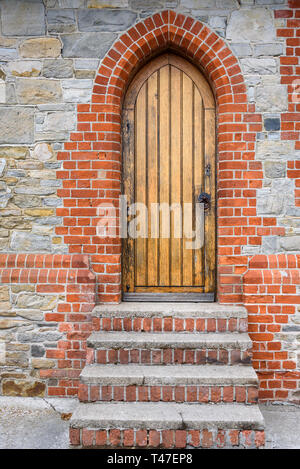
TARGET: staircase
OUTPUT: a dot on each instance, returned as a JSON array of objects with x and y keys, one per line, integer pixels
[{"x": 168, "y": 375}]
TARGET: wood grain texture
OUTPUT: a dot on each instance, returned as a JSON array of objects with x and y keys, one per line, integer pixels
[{"x": 168, "y": 143}]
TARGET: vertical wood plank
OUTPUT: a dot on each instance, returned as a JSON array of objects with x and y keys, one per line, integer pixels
[
  {"x": 152, "y": 179},
  {"x": 175, "y": 162},
  {"x": 164, "y": 175},
  {"x": 198, "y": 175},
  {"x": 187, "y": 178},
  {"x": 141, "y": 182},
  {"x": 128, "y": 270},
  {"x": 210, "y": 188}
]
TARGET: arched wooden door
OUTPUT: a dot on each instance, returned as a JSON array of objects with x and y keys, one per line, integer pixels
[{"x": 168, "y": 162}]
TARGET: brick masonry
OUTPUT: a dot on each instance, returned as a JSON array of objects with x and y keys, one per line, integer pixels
[
  {"x": 62, "y": 80},
  {"x": 203, "y": 394},
  {"x": 192, "y": 439}
]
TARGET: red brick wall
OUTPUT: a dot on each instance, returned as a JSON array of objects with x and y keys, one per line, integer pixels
[
  {"x": 272, "y": 283},
  {"x": 70, "y": 278},
  {"x": 290, "y": 76},
  {"x": 271, "y": 295}
]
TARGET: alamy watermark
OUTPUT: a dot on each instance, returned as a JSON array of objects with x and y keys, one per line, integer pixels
[{"x": 157, "y": 220}]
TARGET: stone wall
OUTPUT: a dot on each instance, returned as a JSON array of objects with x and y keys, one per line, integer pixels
[{"x": 50, "y": 52}]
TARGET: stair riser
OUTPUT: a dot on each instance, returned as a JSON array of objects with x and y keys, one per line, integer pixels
[
  {"x": 196, "y": 393},
  {"x": 171, "y": 324},
  {"x": 172, "y": 356},
  {"x": 132, "y": 438}
]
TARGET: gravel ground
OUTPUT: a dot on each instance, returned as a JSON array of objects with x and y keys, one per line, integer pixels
[{"x": 35, "y": 423}]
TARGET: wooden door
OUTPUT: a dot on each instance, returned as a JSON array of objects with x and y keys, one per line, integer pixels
[{"x": 168, "y": 161}]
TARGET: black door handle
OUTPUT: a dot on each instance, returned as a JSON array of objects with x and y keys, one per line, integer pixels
[{"x": 204, "y": 198}]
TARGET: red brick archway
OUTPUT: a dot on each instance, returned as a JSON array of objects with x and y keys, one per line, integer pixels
[{"x": 92, "y": 159}]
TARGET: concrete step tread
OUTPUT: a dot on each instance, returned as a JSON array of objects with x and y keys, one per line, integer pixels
[
  {"x": 126, "y": 375},
  {"x": 187, "y": 340},
  {"x": 170, "y": 415},
  {"x": 180, "y": 310}
]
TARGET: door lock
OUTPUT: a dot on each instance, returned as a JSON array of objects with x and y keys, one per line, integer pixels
[{"x": 205, "y": 199}]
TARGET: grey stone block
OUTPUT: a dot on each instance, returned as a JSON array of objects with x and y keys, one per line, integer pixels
[
  {"x": 105, "y": 20},
  {"x": 259, "y": 66},
  {"x": 251, "y": 25},
  {"x": 22, "y": 17},
  {"x": 38, "y": 336},
  {"x": 28, "y": 242},
  {"x": 155, "y": 4},
  {"x": 89, "y": 45},
  {"x": 86, "y": 64},
  {"x": 270, "y": 244},
  {"x": 7, "y": 54},
  {"x": 16, "y": 124},
  {"x": 227, "y": 4},
  {"x": 222, "y": 416},
  {"x": 268, "y": 201},
  {"x": 250, "y": 250},
  {"x": 34, "y": 190},
  {"x": 270, "y": 49},
  {"x": 61, "y": 16},
  {"x": 25, "y": 68},
  {"x": 52, "y": 202},
  {"x": 271, "y": 98},
  {"x": 41, "y": 47},
  {"x": 51, "y": 183},
  {"x": 270, "y": 2},
  {"x": 272, "y": 123},
  {"x": 241, "y": 49},
  {"x": 178, "y": 310},
  {"x": 84, "y": 74},
  {"x": 5, "y": 194},
  {"x": 275, "y": 169},
  {"x": 58, "y": 68},
  {"x": 128, "y": 415},
  {"x": 71, "y": 3},
  {"x": 217, "y": 22},
  {"x": 124, "y": 375},
  {"x": 37, "y": 91},
  {"x": 78, "y": 90},
  {"x": 57, "y": 121},
  {"x": 268, "y": 150},
  {"x": 2, "y": 166},
  {"x": 106, "y": 3},
  {"x": 61, "y": 21},
  {"x": 48, "y": 220},
  {"x": 170, "y": 416},
  {"x": 37, "y": 351},
  {"x": 11, "y": 94},
  {"x": 290, "y": 243},
  {"x": 172, "y": 340},
  {"x": 24, "y": 201}
]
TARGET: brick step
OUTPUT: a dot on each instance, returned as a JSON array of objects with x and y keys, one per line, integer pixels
[
  {"x": 170, "y": 317},
  {"x": 166, "y": 425},
  {"x": 155, "y": 348},
  {"x": 177, "y": 383}
]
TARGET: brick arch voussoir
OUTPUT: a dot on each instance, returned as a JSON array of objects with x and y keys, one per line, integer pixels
[{"x": 184, "y": 34}]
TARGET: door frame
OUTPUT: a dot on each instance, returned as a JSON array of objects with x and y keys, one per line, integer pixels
[{"x": 128, "y": 155}]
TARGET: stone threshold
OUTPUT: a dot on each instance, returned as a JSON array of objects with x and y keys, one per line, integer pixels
[{"x": 180, "y": 310}]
